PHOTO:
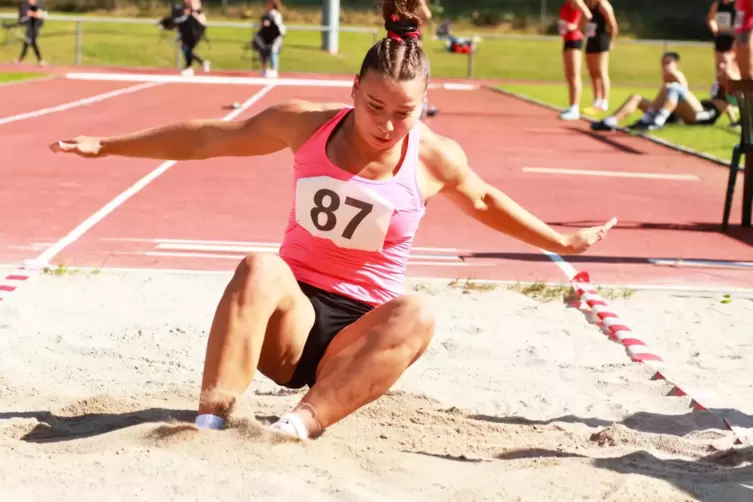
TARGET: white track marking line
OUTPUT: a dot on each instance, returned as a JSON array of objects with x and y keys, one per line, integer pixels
[
  {"x": 77, "y": 103},
  {"x": 263, "y": 248},
  {"x": 165, "y": 243},
  {"x": 428, "y": 260},
  {"x": 701, "y": 263},
  {"x": 43, "y": 259},
  {"x": 612, "y": 174},
  {"x": 216, "y": 79}
]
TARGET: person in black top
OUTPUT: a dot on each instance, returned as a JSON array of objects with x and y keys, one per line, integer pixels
[
  {"x": 600, "y": 34},
  {"x": 32, "y": 16},
  {"x": 721, "y": 22},
  {"x": 268, "y": 40},
  {"x": 191, "y": 24}
]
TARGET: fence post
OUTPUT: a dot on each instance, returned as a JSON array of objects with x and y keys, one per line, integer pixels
[
  {"x": 470, "y": 61},
  {"x": 79, "y": 43}
]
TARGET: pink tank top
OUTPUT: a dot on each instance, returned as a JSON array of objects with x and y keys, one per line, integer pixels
[{"x": 347, "y": 234}]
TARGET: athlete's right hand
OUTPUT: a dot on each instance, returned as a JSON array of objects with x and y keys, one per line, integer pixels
[{"x": 83, "y": 146}]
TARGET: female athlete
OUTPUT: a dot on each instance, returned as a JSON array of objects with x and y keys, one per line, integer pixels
[
  {"x": 329, "y": 311},
  {"x": 571, "y": 18},
  {"x": 600, "y": 34},
  {"x": 721, "y": 23}
]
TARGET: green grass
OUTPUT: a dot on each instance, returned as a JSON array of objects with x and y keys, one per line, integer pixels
[
  {"x": 717, "y": 140},
  {"x": 14, "y": 77},
  {"x": 539, "y": 60}
]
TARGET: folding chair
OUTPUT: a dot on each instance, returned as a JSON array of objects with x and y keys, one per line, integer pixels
[{"x": 743, "y": 92}]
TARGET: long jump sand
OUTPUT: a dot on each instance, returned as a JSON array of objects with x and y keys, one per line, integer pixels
[{"x": 516, "y": 399}]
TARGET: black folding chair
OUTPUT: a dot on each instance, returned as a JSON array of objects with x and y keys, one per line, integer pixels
[{"x": 743, "y": 92}]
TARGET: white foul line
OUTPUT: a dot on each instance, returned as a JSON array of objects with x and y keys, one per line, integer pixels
[
  {"x": 43, "y": 259},
  {"x": 614, "y": 174},
  {"x": 222, "y": 80},
  {"x": 77, "y": 103}
]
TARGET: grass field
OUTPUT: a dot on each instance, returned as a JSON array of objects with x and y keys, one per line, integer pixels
[
  {"x": 717, "y": 140},
  {"x": 509, "y": 59},
  {"x": 14, "y": 77}
]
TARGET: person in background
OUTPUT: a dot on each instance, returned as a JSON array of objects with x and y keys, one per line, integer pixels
[
  {"x": 31, "y": 15},
  {"x": 572, "y": 14},
  {"x": 268, "y": 40},
  {"x": 720, "y": 21},
  {"x": 674, "y": 102},
  {"x": 192, "y": 25},
  {"x": 600, "y": 34}
]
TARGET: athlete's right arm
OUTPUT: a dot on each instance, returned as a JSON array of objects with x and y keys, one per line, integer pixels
[
  {"x": 711, "y": 19},
  {"x": 268, "y": 131}
]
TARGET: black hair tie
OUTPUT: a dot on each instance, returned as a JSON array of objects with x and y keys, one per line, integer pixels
[{"x": 402, "y": 29}]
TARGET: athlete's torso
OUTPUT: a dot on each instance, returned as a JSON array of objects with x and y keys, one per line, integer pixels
[
  {"x": 348, "y": 234},
  {"x": 725, "y": 17},
  {"x": 743, "y": 15},
  {"x": 598, "y": 24},
  {"x": 569, "y": 15}
]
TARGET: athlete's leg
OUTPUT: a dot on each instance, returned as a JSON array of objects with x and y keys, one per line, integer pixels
[
  {"x": 592, "y": 63},
  {"x": 744, "y": 55},
  {"x": 365, "y": 360},
  {"x": 572, "y": 66},
  {"x": 606, "y": 84},
  {"x": 262, "y": 321}
]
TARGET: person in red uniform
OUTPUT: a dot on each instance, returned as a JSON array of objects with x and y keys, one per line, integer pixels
[
  {"x": 743, "y": 28},
  {"x": 573, "y": 13}
]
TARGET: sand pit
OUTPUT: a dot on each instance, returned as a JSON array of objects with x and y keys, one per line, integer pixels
[{"x": 516, "y": 399}]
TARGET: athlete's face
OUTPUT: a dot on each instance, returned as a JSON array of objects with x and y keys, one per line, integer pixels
[
  {"x": 668, "y": 65},
  {"x": 385, "y": 110}
]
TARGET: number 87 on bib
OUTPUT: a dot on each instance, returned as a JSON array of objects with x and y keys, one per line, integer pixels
[{"x": 349, "y": 215}]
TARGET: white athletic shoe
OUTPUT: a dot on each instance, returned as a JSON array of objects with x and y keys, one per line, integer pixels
[
  {"x": 207, "y": 66},
  {"x": 570, "y": 114},
  {"x": 291, "y": 425},
  {"x": 188, "y": 72}
]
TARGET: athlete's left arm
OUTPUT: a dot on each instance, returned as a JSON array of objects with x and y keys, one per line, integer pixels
[
  {"x": 493, "y": 208},
  {"x": 608, "y": 12}
]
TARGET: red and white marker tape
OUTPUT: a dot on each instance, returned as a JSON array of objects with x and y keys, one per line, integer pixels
[
  {"x": 637, "y": 349},
  {"x": 11, "y": 282}
]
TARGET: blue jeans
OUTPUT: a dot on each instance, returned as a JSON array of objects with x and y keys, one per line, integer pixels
[{"x": 677, "y": 92}]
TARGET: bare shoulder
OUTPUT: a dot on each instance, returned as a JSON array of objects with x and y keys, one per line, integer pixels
[
  {"x": 297, "y": 120},
  {"x": 444, "y": 158}
]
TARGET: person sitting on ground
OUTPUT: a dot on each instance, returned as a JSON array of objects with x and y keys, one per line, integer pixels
[{"x": 673, "y": 103}]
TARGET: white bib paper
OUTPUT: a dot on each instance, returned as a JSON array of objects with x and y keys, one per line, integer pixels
[
  {"x": 350, "y": 215},
  {"x": 591, "y": 30},
  {"x": 724, "y": 20},
  {"x": 562, "y": 25}
]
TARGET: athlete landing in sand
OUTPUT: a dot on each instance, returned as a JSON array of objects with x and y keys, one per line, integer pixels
[{"x": 329, "y": 312}]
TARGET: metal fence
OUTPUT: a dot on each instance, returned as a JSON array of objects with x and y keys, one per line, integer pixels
[{"x": 92, "y": 40}]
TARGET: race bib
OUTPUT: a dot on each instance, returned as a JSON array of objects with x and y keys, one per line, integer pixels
[
  {"x": 739, "y": 18},
  {"x": 562, "y": 26},
  {"x": 724, "y": 20},
  {"x": 591, "y": 30},
  {"x": 349, "y": 215}
]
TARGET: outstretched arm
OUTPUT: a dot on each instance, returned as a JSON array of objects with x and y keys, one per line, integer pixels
[
  {"x": 266, "y": 132},
  {"x": 496, "y": 210}
]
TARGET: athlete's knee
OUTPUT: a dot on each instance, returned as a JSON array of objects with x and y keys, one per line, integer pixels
[
  {"x": 259, "y": 276},
  {"x": 418, "y": 318}
]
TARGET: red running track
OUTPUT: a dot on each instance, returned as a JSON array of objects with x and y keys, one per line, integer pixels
[{"x": 202, "y": 215}]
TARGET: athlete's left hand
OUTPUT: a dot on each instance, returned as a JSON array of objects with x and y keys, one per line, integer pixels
[{"x": 583, "y": 239}]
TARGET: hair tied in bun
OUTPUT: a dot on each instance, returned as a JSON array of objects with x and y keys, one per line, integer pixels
[{"x": 401, "y": 29}]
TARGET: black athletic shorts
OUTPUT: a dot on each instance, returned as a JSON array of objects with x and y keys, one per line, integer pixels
[
  {"x": 333, "y": 312},
  {"x": 600, "y": 43},
  {"x": 709, "y": 115},
  {"x": 572, "y": 44},
  {"x": 724, "y": 43}
]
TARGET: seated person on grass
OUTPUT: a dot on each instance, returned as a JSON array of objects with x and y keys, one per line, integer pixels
[{"x": 674, "y": 103}]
